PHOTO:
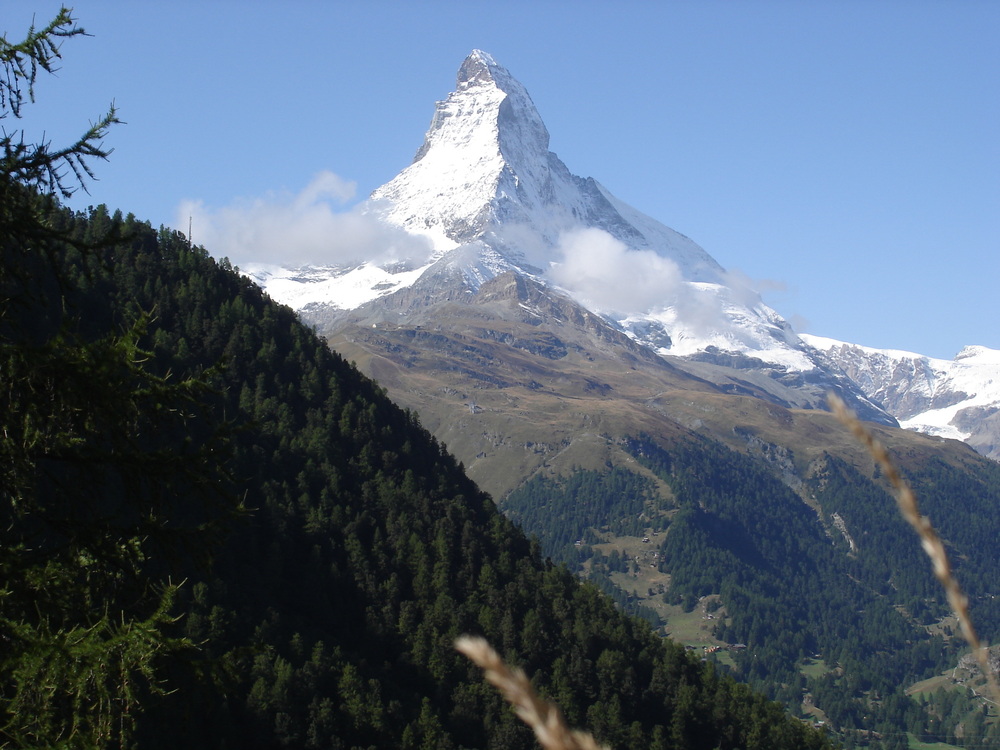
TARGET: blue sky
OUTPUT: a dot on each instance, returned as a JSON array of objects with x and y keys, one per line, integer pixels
[{"x": 845, "y": 155}]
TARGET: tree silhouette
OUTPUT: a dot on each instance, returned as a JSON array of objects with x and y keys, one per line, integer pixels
[{"x": 95, "y": 449}]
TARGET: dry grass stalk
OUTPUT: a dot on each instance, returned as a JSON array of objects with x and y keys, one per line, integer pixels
[
  {"x": 543, "y": 717},
  {"x": 929, "y": 538}
]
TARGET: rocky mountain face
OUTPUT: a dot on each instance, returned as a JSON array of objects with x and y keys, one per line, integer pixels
[
  {"x": 518, "y": 379},
  {"x": 957, "y": 398}
]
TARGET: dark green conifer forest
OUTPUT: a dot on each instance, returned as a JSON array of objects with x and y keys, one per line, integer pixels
[{"x": 214, "y": 532}]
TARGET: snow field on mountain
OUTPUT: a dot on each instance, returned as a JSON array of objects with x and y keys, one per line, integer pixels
[
  {"x": 970, "y": 380},
  {"x": 344, "y": 290}
]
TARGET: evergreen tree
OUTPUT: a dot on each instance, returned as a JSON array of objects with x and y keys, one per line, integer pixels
[{"x": 95, "y": 451}]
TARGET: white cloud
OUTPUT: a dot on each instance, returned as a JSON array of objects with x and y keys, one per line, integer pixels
[
  {"x": 799, "y": 323},
  {"x": 748, "y": 291},
  {"x": 307, "y": 228},
  {"x": 605, "y": 275}
]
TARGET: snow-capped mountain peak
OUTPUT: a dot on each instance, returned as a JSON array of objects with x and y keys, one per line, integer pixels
[
  {"x": 980, "y": 355},
  {"x": 484, "y": 174},
  {"x": 491, "y": 198},
  {"x": 485, "y": 143}
]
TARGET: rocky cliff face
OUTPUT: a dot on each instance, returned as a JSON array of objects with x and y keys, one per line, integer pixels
[
  {"x": 957, "y": 398},
  {"x": 517, "y": 378}
]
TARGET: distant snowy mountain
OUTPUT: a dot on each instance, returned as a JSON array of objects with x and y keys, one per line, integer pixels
[{"x": 957, "y": 398}]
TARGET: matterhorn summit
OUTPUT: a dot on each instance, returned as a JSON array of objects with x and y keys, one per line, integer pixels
[
  {"x": 490, "y": 197},
  {"x": 485, "y": 176},
  {"x": 484, "y": 160},
  {"x": 487, "y": 198}
]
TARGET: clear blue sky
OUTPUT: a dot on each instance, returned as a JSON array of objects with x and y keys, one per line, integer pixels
[{"x": 846, "y": 155}]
